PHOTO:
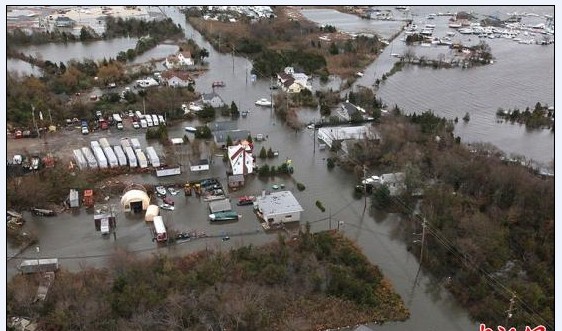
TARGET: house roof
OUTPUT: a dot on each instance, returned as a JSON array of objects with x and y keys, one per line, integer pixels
[
  {"x": 289, "y": 82},
  {"x": 349, "y": 108},
  {"x": 179, "y": 74},
  {"x": 210, "y": 96},
  {"x": 235, "y": 178},
  {"x": 284, "y": 76},
  {"x": 396, "y": 177},
  {"x": 221, "y": 136},
  {"x": 222, "y": 126},
  {"x": 278, "y": 203},
  {"x": 172, "y": 59},
  {"x": 220, "y": 205},
  {"x": 186, "y": 54}
]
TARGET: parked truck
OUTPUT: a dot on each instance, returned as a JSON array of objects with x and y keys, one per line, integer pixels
[
  {"x": 135, "y": 143},
  {"x": 159, "y": 229},
  {"x": 104, "y": 142}
]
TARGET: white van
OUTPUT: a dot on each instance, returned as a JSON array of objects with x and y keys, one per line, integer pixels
[{"x": 155, "y": 120}]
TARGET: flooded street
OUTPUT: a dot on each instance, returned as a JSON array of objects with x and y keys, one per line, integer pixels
[{"x": 73, "y": 239}]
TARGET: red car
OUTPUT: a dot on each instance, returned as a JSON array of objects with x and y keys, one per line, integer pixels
[{"x": 168, "y": 200}]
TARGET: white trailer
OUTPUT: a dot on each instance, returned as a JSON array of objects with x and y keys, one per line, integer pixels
[
  {"x": 74, "y": 198},
  {"x": 143, "y": 162},
  {"x": 125, "y": 142},
  {"x": 159, "y": 229},
  {"x": 155, "y": 120},
  {"x": 104, "y": 143},
  {"x": 152, "y": 156},
  {"x": 100, "y": 157},
  {"x": 117, "y": 118},
  {"x": 148, "y": 119},
  {"x": 111, "y": 157},
  {"x": 161, "y": 120},
  {"x": 94, "y": 144},
  {"x": 90, "y": 158},
  {"x": 121, "y": 157},
  {"x": 139, "y": 115},
  {"x": 131, "y": 156},
  {"x": 38, "y": 265},
  {"x": 135, "y": 143},
  {"x": 80, "y": 159}
]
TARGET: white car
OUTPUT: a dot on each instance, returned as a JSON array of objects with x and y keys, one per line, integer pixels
[
  {"x": 85, "y": 130},
  {"x": 371, "y": 180},
  {"x": 119, "y": 126},
  {"x": 161, "y": 190},
  {"x": 136, "y": 125}
]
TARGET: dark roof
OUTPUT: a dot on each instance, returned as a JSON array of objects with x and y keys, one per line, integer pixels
[
  {"x": 235, "y": 178},
  {"x": 222, "y": 126},
  {"x": 200, "y": 162},
  {"x": 289, "y": 82},
  {"x": 350, "y": 108},
  {"x": 235, "y": 135},
  {"x": 210, "y": 96}
]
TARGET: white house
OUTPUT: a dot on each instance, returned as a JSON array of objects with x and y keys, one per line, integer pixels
[
  {"x": 177, "y": 78},
  {"x": 278, "y": 208},
  {"x": 179, "y": 60},
  {"x": 212, "y": 99},
  {"x": 241, "y": 159},
  {"x": 394, "y": 181},
  {"x": 293, "y": 82}
]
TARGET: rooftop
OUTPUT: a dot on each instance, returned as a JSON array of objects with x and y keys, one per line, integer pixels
[{"x": 278, "y": 202}]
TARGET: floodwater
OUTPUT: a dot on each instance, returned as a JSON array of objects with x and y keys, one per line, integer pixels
[{"x": 73, "y": 240}]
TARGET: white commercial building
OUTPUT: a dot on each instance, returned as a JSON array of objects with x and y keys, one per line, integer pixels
[{"x": 278, "y": 208}]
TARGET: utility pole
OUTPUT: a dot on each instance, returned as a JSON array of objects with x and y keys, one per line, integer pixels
[
  {"x": 330, "y": 218},
  {"x": 422, "y": 240},
  {"x": 365, "y": 186},
  {"x": 509, "y": 312},
  {"x": 34, "y": 123}
]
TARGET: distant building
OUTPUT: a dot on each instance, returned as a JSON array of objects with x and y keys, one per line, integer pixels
[
  {"x": 64, "y": 22},
  {"x": 212, "y": 99},
  {"x": 235, "y": 181},
  {"x": 346, "y": 133},
  {"x": 292, "y": 82},
  {"x": 201, "y": 165},
  {"x": 278, "y": 208}
]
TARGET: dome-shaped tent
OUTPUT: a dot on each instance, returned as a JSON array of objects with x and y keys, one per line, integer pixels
[{"x": 135, "y": 201}]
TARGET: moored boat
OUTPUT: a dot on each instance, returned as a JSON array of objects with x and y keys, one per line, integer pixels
[
  {"x": 263, "y": 102},
  {"x": 229, "y": 215},
  {"x": 246, "y": 200}
]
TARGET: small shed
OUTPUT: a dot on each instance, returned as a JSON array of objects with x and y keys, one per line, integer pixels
[
  {"x": 219, "y": 205},
  {"x": 200, "y": 165},
  {"x": 235, "y": 181},
  {"x": 74, "y": 199},
  {"x": 151, "y": 212}
]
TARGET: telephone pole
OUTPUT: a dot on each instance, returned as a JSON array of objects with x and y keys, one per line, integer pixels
[
  {"x": 422, "y": 240},
  {"x": 365, "y": 186},
  {"x": 509, "y": 312}
]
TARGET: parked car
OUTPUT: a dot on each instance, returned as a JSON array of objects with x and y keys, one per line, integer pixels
[
  {"x": 136, "y": 125},
  {"x": 119, "y": 126},
  {"x": 161, "y": 190},
  {"x": 168, "y": 200},
  {"x": 85, "y": 130}
]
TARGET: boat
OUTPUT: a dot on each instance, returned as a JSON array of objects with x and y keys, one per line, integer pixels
[
  {"x": 160, "y": 190},
  {"x": 359, "y": 74},
  {"x": 190, "y": 129},
  {"x": 43, "y": 212},
  {"x": 218, "y": 84},
  {"x": 246, "y": 200},
  {"x": 173, "y": 191},
  {"x": 454, "y": 25},
  {"x": 263, "y": 102},
  {"x": 275, "y": 186},
  {"x": 166, "y": 206},
  {"x": 244, "y": 113},
  {"x": 191, "y": 107},
  {"x": 229, "y": 215}
]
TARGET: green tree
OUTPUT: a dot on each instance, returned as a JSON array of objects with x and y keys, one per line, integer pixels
[
  {"x": 234, "y": 110},
  {"x": 333, "y": 49},
  {"x": 228, "y": 141},
  {"x": 270, "y": 154},
  {"x": 263, "y": 153}
]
